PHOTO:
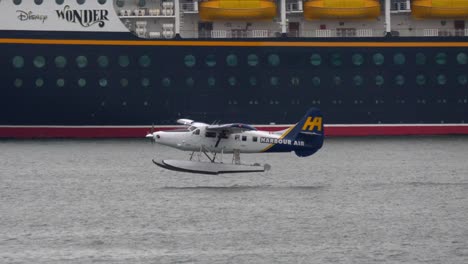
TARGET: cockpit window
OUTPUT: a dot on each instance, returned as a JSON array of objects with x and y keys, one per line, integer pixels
[
  {"x": 196, "y": 132},
  {"x": 210, "y": 134},
  {"x": 192, "y": 128}
]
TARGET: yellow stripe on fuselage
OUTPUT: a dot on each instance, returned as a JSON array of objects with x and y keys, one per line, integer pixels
[{"x": 281, "y": 137}]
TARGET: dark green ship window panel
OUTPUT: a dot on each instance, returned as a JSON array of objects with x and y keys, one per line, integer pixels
[
  {"x": 124, "y": 61},
  {"x": 145, "y": 82},
  {"x": 166, "y": 82},
  {"x": 295, "y": 81},
  {"x": 17, "y": 2},
  {"x": 336, "y": 59},
  {"x": 399, "y": 59},
  {"x": 462, "y": 79},
  {"x": 378, "y": 58},
  {"x": 38, "y": 2},
  {"x": 358, "y": 59},
  {"x": 82, "y": 82},
  {"x": 190, "y": 60},
  {"x": 315, "y": 59},
  {"x": 102, "y": 1},
  {"x": 80, "y": 2},
  {"x": 399, "y": 80},
  {"x": 420, "y": 79},
  {"x": 274, "y": 81},
  {"x": 232, "y": 81},
  {"x": 18, "y": 82},
  {"x": 39, "y": 82},
  {"x": 379, "y": 80},
  {"x": 59, "y": 2},
  {"x": 462, "y": 58},
  {"x": 211, "y": 81},
  {"x": 252, "y": 60},
  {"x": 60, "y": 82},
  {"x": 231, "y": 60},
  {"x": 420, "y": 58},
  {"x": 39, "y": 61},
  {"x": 18, "y": 62},
  {"x": 123, "y": 82},
  {"x": 337, "y": 80},
  {"x": 144, "y": 61},
  {"x": 441, "y": 58},
  {"x": 60, "y": 62},
  {"x": 210, "y": 60},
  {"x": 273, "y": 60},
  {"x": 253, "y": 81},
  {"x": 316, "y": 81},
  {"x": 189, "y": 82},
  {"x": 441, "y": 79},
  {"x": 103, "y": 61},
  {"x": 120, "y": 3},
  {"x": 103, "y": 82},
  {"x": 81, "y": 61},
  {"x": 358, "y": 80},
  {"x": 141, "y": 3}
]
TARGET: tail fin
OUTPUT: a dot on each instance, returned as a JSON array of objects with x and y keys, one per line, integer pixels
[{"x": 309, "y": 132}]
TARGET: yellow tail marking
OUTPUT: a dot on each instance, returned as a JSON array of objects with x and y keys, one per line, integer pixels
[
  {"x": 281, "y": 137},
  {"x": 310, "y": 123}
]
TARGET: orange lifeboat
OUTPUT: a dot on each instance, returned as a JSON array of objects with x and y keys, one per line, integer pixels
[
  {"x": 439, "y": 8},
  {"x": 212, "y": 10},
  {"x": 341, "y": 9}
]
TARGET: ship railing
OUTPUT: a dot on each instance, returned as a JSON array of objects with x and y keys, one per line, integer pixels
[
  {"x": 189, "y": 7},
  {"x": 430, "y": 32},
  {"x": 342, "y": 33},
  {"x": 220, "y": 34}
]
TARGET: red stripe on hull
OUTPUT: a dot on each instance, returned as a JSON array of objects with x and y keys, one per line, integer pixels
[{"x": 140, "y": 132}]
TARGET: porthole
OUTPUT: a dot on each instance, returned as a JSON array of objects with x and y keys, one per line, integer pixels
[
  {"x": 60, "y": 82},
  {"x": 145, "y": 82},
  {"x": 274, "y": 81},
  {"x": 144, "y": 61},
  {"x": 120, "y": 3},
  {"x": 166, "y": 82},
  {"x": 462, "y": 58},
  {"x": 80, "y": 2},
  {"x": 141, "y": 3},
  {"x": 38, "y": 2},
  {"x": 59, "y": 2},
  {"x": 253, "y": 80},
  {"x": 82, "y": 82},
  {"x": 399, "y": 80},
  {"x": 252, "y": 60},
  {"x": 441, "y": 58},
  {"x": 103, "y": 61},
  {"x": 295, "y": 81},
  {"x": 39, "y": 82},
  {"x": 232, "y": 81},
  {"x": 379, "y": 80},
  {"x": 123, "y": 82},
  {"x": 18, "y": 62},
  {"x": 378, "y": 58},
  {"x": 336, "y": 59},
  {"x": 210, "y": 60},
  {"x": 101, "y": 2},
  {"x": 60, "y": 62},
  {"x": 273, "y": 60},
  {"x": 231, "y": 60},
  {"x": 189, "y": 82},
  {"x": 420, "y": 79},
  {"x": 103, "y": 82},
  {"x": 441, "y": 79},
  {"x": 81, "y": 61},
  {"x": 358, "y": 59},
  {"x": 315, "y": 59},
  {"x": 189, "y": 60},
  {"x": 399, "y": 59},
  {"x": 124, "y": 61},
  {"x": 39, "y": 61},
  {"x": 316, "y": 81},
  {"x": 18, "y": 82},
  {"x": 420, "y": 58},
  {"x": 211, "y": 81},
  {"x": 337, "y": 80},
  {"x": 17, "y": 2},
  {"x": 358, "y": 80},
  {"x": 462, "y": 79}
]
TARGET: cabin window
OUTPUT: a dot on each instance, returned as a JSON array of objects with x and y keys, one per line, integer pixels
[
  {"x": 252, "y": 60},
  {"x": 210, "y": 134},
  {"x": 379, "y": 80},
  {"x": 60, "y": 82},
  {"x": 236, "y": 137},
  {"x": 196, "y": 132},
  {"x": 103, "y": 82},
  {"x": 39, "y": 61},
  {"x": 399, "y": 59},
  {"x": 39, "y": 82},
  {"x": 60, "y": 62},
  {"x": 358, "y": 80},
  {"x": 244, "y": 138},
  {"x": 189, "y": 82},
  {"x": 420, "y": 59},
  {"x": 166, "y": 82},
  {"x": 18, "y": 62},
  {"x": 18, "y": 82},
  {"x": 145, "y": 82},
  {"x": 192, "y": 128},
  {"x": 231, "y": 60},
  {"x": 315, "y": 59},
  {"x": 462, "y": 58},
  {"x": 254, "y": 139},
  {"x": 316, "y": 81},
  {"x": 103, "y": 61},
  {"x": 358, "y": 59},
  {"x": 123, "y": 82},
  {"x": 124, "y": 61},
  {"x": 17, "y": 2},
  {"x": 462, "y": 79},
  {"x": 190, "y": 60},
  {"x": 273, "y": 60},
  {"x": 420, "y": 79},
  {"x": 378, "y": 59},
  {"x": 82, "y": 82},
  {"x": 144, "y": 61}
]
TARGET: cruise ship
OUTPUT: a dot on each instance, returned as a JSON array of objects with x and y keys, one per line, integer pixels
[{"x": 116, "y": 68}]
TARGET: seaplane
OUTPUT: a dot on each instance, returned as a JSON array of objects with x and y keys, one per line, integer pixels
[{"x": 209, "y": 142}]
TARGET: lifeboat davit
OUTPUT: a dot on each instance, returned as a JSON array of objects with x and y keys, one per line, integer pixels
[
  {"x": 341, "y": 9},
  {"x": 245, "y": 10},
  {"x": 439, "y": 8}
]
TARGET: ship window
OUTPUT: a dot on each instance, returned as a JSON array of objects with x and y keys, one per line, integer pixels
[
  {"x": 82, "y": 82},
  {"x": 400, "y": 79},
  {"x": 60, "y": 62},
  {"x": 103, "y": 61},
  {"x": 420, "y": 79},
  {"x": 38, "y": 2},
  {"x": 101, "y": 2},
  {"x": 189, "y": 60},
  {"x": 189, "y": 82},
  {"x": 462, "y": 58},
  {"x": 358, "y": 80},
  {"x": 378, "y": 59},
  {"x": 252, "y": 60},
  {"x": 166, "y": 82},
  {"x": 273, "y": 60},
  {"x": 18, "y": 62},
  {"x": 244, "y": 138},
  {"x": 120, "y": 3},
  {"x": 316, "y": 81},
  {"x": 231, "y": 60},
  {"x": 441, "y": 58},
  {"x": 420, "y": 59},
  {"x": 358, "y": 59},
  {"x": 254, "y": 139},
  {"x": 232, "y": 81},
  {"x": 274, "y": 81},
  {"x": 59, "y": 2},
  {"x": 399, "y": 59},
  {"x": 17, "y": 2},
  {"x": 315, "y": 59},
  {"x": 123, "y": 82},
  {"x": 39, "y": 61},
  {"x": 253, "y": 80},
  {"x": 210, "y": 60},
  {"x": 336, "y": 59},
  {"x": 60, "y": 82},
  {"x": 462, "y": 79},
  {"x": 379, "y": 80},
  {"x": 211, "y": 81},
  {"x": 141, "y": 3},
  {"x": 18, "y": 82},
  {"x": 81, "y": 61},
  {"x": 103, "y": 82},
  {"x": 441, "y": 79},
  {"x": 337, "y": 80},
  {"x": 295, "y": 81},
  {"x": 124, "y": 61},
  {"x": 144, "y": 61},
  {"x": 236, "y": 137},
  {"x": 210, "y": 134},
  {"x": 39, "y": 82},
  {"x": 80, "y": 2},
  {"x": 145, "y": 82}
]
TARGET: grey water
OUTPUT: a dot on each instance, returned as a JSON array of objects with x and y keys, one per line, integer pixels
[{"x": 358, "y": 200}]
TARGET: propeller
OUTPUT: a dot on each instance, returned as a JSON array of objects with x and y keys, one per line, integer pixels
[{"x": 150, "y": 134}]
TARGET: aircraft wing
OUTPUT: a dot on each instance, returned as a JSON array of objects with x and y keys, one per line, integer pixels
[{"x": 230, "y": 128}]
